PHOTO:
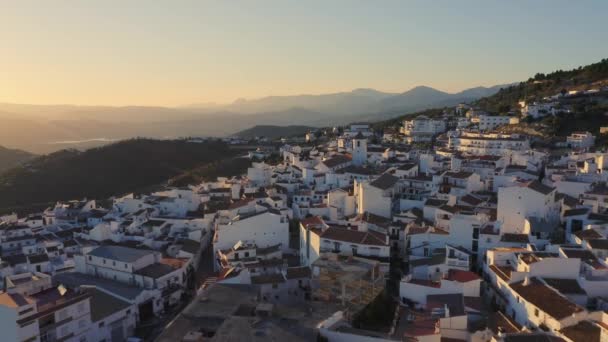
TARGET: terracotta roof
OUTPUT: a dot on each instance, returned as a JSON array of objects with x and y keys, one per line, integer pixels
[
  {"x": 312, "y": 221},
  {"x": 497, "y": 321},
  {"x": 585, "y": 255},
  {"x": 519, "y": 238},
  {"x": 546, "y": 299},
  {"x": 385, "y": 181},
  {"x": 471, "y": 200},
  {"x": 539, "y": 187},
  {"x": 598, "y": 243},
  {"x": 461, "y": 276},
  {"x": 583, "y": 331},
  {"x": 298, "y": 272},
  {"x": 460, "y": 175},
  {"x": 588, "y": 234},
  {"x": 354, "y": 236},
  {"x": 504, "y": 272},
  {"x": 565, "y": 286},
  {"x": 336, "y": 160}
]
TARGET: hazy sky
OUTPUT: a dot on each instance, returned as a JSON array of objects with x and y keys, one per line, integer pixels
[{"x": 182, "y": 52}]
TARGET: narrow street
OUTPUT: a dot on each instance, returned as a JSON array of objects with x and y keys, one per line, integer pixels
[{"x": 204, "y": 269}]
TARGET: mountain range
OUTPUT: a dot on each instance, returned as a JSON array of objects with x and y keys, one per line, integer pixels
[{"x": 43, "y": 129}]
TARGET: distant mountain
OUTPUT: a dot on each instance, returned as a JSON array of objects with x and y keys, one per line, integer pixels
[
  {"x": 337, "y": 103},
  {"x": 126, "y": 166},
  {"x": 43, "y": 129},
  {"x": 423, "y": 97},
  {"x": 10, "y": 158},
  {"x": 273, "y": 132}
]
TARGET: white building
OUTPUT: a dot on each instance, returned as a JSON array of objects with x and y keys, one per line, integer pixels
[
  {"x": 263, "y": 228},
  {"x": 580, "y": 140},
  {"x": 526, "y": 200},
  {"x": 489, "y": 122},
  {"x": 317, "y": 237},
  {"x": 32, "y": 309},
  {"x": 488, "y": 143},
  {"x": 376, "y": 197},
  {"x": 359, "y": 152}
]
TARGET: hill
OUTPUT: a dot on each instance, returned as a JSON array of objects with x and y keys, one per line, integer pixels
[
  {"x": 10, "y": 158},
  {"x": 423, "y": 97},
  {"x": 118, "y": 168},
  {"x": 541, "y": 85},
  {"x": 273, "y": 132},
  {"x": 586, "y": 112}
]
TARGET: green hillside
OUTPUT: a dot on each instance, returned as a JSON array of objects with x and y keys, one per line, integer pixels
[
  {"x": 10, "y": 158},
  {"x": 273, "y": 132},
  {"x": 114, "y": 169}
]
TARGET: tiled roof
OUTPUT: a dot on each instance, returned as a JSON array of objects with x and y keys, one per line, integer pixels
[
  {"x": 336, "y": 160},
  {"x": 518, "y": 238},
  {"x": 386, "y": 181},
  {"x": 155, "y": 270},
  {"x": 598, "y": 243},
  {"x": 583, "y": 331},
  {"x": 298, "y": 272},
  {"x": 588, "y": 234},
  {"x": 461, "y": 276},
  {"x": 119, "y": 253},
  {"x": 354, "y": 236},
  {"x": 540, "y": 187},
  {"x": 504, "y": 272},
  {"x": 546, "y": 299},
  {"x": 565, "y": 286}
]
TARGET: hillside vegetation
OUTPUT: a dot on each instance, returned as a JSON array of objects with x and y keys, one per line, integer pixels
[
  {"x": 587, "y": 113},
  {"x": 10, "y": 158},
  {"x": 273, "y": 132},
  {"x": 126, "y": 166},
  {"x": 541, "y": 85}
]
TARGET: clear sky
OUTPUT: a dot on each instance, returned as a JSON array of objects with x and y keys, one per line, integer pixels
[{"x": 183, "y": 52}]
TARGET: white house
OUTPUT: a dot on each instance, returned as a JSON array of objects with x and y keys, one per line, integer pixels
[{"x": 529, "y": 199}]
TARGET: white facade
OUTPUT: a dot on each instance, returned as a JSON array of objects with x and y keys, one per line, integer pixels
[
  {"x": 489, "y": 122},
  {"x": 265, "y": 229},
  {"x": 517, "y": 203}
]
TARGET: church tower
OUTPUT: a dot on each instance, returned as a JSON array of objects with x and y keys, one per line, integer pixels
[{"x": 359, "y": 150}]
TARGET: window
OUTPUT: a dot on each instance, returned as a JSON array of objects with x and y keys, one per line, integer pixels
[
  {"x": 275, "y": 286},
  {"x": 113, "y": 263},
  {"x": 101, "y": 324},
  {"x": 536, "y": 313}
]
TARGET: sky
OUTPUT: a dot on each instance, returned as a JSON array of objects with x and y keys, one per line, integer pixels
[{"x": 172, "y": 53}]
